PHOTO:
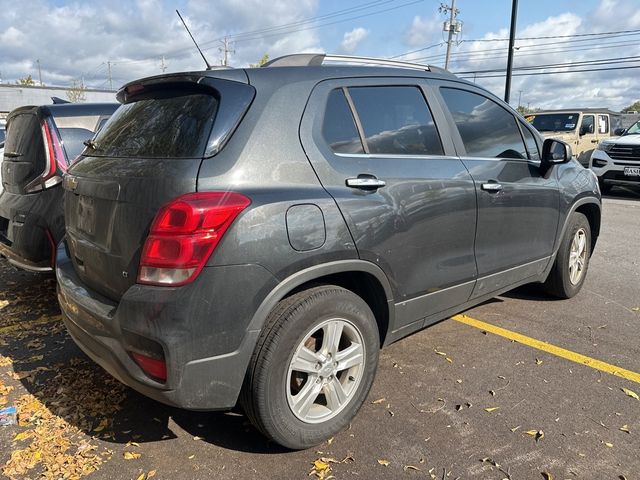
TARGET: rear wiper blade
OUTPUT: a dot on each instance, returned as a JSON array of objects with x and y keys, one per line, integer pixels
[
  {"x": 91, "y": 144},
  {"x": 12, "y": 154}
]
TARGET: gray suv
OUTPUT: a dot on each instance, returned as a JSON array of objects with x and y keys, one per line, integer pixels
[{"x": 254, "y": 236}]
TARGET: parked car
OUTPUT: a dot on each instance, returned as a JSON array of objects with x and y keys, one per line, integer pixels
[
  {"x": 580, "y": 128},
  {"x": 256, "y": 235},
  {"x": 41, "y": 143},
  {"x": 616, "y": 161}
]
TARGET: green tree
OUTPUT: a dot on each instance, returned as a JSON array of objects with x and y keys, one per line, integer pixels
[
  {"x": 28, "y": 81},
  {"x": 262, "y": 61},
  {"x": 634, "y": 107},
  {"x": 76, "y": 93}
]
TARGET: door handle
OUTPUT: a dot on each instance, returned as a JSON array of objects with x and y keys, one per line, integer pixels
[
  {"x": 594, "y": 141},
  {"x": 365, "y": 183},
  {"x": 491, "y": 187}
]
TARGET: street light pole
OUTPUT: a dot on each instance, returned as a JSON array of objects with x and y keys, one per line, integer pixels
[{"x": 512, "y": 39}]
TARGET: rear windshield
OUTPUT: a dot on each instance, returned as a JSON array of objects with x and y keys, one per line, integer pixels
[
  {"x": 24, "y": 139},
  {"x": 554, "y": 122},
  {"x": 158, "y": 125}
]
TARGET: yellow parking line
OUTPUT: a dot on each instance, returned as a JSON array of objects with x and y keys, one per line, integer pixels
[{"x": 552, "y": 349}]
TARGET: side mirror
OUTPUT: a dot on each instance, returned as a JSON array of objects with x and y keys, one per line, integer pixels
[
  {"x": 555, "y": 151},
  {"x": 619, "y": 131},
  {"x": 584, "y": 129}
]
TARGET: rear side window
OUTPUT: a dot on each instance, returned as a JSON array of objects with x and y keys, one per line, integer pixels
[
  {"x": 338, "y": 127},
  {"x": 73, "y": 140},
  {"x": 396, "y": 120},
  {"x": 24, "y": 138},
  {"x": 158, "y": 125},
  {"x": 487, "y": 129}
]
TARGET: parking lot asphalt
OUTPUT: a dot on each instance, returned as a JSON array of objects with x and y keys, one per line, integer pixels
[{"x": 452, "y": 401}]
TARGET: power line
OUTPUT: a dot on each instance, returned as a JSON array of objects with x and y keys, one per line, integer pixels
[
  {"x": 604, "y": 61},
  {"x": 557, "y": 72}
]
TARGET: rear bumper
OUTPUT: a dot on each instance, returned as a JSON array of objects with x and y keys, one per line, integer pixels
[
  {"x": 204, "y": 337},
  {"x": 30, "y": 227}
]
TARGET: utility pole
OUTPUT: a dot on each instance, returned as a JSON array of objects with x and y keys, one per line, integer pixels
[
  {"x": 163, "y": 66},
  {"x": 452, "y": 26},
  {"x": 110, "y": 77},
  {"x": 519, "y": 98},
  {"x": 512, "y": 40},
  {"x": 226, "y": 50},
  {"x": 39, "y": 72}
]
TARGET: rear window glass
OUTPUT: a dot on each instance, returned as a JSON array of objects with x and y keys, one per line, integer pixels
[
  {"x": 339, "y": 129},
  {"x": 1, "y": 135},
  {"x": 396, "y": 120},
  {"x": 72, "y": 140},
  {"x": 24, "y": 138},
  {"x": 175, "y": 125}
]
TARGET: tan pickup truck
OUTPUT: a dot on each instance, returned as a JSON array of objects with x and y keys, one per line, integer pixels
[{"x": 582, "y": 128}]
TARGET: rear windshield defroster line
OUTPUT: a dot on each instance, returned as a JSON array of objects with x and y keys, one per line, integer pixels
[{"x": 160, "y": 124}]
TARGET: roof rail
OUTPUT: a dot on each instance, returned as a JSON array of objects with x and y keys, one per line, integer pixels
[{"x": 317, "y": 59}]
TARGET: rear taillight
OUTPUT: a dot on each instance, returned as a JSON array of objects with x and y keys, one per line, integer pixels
[
  {"x": 183, "y": 235},
  {"x": 54, "y": 159},
  {"x": 154, "y": 367}
]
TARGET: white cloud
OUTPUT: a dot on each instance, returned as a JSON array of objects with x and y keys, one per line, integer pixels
[
  {"x": 352, "y": 39},
  {"x": 423, "y": 31},
  {"x": 78, "y": 39},
  {"x": 553, "y": 89}
]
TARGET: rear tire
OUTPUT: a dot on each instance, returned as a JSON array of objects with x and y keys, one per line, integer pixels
[
  {"x": 313, "y": 366},
  {"x": 570, "y": 268}
]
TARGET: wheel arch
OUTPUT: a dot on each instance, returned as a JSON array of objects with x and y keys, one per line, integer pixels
[
  {"x": 593, "y": 212},
  {"x": 365, "y": 279}
]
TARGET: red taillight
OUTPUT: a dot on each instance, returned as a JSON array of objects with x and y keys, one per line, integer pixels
[
  {"x": 151, "y": 366},
  {"x": 54, "y": 159},
  {"x": 183, "y": 235}
]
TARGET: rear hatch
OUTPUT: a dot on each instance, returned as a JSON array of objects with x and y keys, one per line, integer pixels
[
  {"x": 148, "y": 153},
  {"x": 24, "y": 150}
]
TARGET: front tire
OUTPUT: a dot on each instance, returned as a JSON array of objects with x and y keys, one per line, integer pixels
[
  {"x": 313, "y": 366},
  {"x": 570, "y": 268}
]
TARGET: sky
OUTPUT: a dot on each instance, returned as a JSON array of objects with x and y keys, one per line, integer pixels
[{"x": 84, "y": 40}]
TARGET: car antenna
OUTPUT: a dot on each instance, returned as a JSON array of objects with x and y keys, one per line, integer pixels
[{"x": 194, "y": 41}]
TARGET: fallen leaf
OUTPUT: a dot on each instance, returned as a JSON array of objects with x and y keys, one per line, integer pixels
[
  {"x": 538, "y": 434},
  {"x": 197, "y": 438},
  {"x": 625, "y": 428},
  {"x": 439, "y": 352},
  {"x": 547, "y": 476},
  {"x": 330, "y": 441},
  {"x": 449, "y": 360},
  {"x": 141, "y": 477},
  {"x": 131, "y": 455},
  {"x": 104, "y": 423},
  {"x": 380, "y": 400},
  {"x": 515, "y": 428},
  {"x": 538, "y": 361},
  {"x": 22, "y": 436},
  {"x": 191, "y": 457},
  {"x": 491, "y": 409},
  {"x": 610, "y": 445},
  {"x": 492, "y": 393},
  {"x": 630, "y": 393},
  {"x": 152, "y": 473},
  {"x": 319, "y": 465},
  {"x": 410, "y": 467},
  {"x": 384, "y": 463},
  {"x": 130, "y": 443},
  {"x": 635, "y": 309}
]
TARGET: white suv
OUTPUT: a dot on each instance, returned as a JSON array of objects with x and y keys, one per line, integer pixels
[{"x": 616, "y": 161}]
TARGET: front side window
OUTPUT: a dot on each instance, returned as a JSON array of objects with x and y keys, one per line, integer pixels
[
  {"x": 587, "y": 125},
  {"x": 487, "y": 129},
  {"x": 530, "y": 142},
  {"x": 603, "y": 124},
  {"x": 396, "y": 120},
  {"x": 338, "y": 127}
]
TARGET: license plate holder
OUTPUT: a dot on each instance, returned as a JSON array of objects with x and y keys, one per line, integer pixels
[{"x": 86, "y": 215}]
